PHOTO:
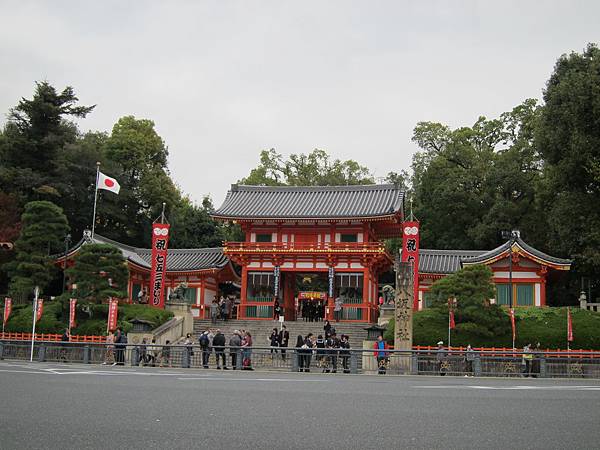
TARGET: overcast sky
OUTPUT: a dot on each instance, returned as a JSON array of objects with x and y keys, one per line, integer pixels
[{"x": 223, "y": 80}]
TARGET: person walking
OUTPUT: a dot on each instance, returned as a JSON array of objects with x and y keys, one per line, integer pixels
[
  {"x": 165, "y": 354},
  {"x": 441, "y": 358},
  {"x": 345, "y": 352},
  {"x": 219, "y": 346},
  {"x": 327, "y": 329},
  {"x": 276, "y": 310},
  {"x": 247, "y": 351},
  {"x": 204, "y": 342},
  {"x": 235, "y": 342},
  {"x": 109, "y": 357},
  {"x": 189, "y": 347},
  {"x": 381, "y": 355},
  {"x": 66, "y": 337},
  {"x": 284, "y": 340}
]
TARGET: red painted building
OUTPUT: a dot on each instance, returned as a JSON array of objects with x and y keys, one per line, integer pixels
[
  {"x": 312, "y": 244},
  {"x": 531, "y": 269}
]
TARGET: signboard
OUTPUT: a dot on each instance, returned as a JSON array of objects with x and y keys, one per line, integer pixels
[
  {"x": 72, "y": 309},
  {"x": 160, "y": 244},
  {"x": 403, "y": 307},
  {"x": 331, "y": 280},
  {"x": 276, "y": 277},
  {"x": 113, "y": 306},
  {"x": 410, "y": 254},
  {"x": 7, "y": 310},
  {"x": 312, "y": 295}
]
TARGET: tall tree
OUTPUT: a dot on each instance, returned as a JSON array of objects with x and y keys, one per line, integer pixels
[
  {"x": 313, "y": 169},
  {"x": 44, "y": 227}
]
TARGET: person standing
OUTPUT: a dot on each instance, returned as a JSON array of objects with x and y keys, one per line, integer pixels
[
  {"x": 300, "y": 347},
  {"x": 223, "y": 308},
  {"x": 247, "y": 351},
  {"x": 527, "y": 359},
  {"x": 109, "y": 357},
  {"x": 337, "y": 308},
  {"x": 284, "y": 340},
  {"x": 381, "y": 355},
  {"x": 235, "y": 342},
  {"x": 345, "y": 352},
  {"x": 469, "y": 358},
  {"x": 310, "y": 345},
  {"x": 441, "y": 358},
  {"x": 219, "y": 346},
  {"x": 204, "y": 342},
  {"x": 274, "y": 341},
  {"x": 189, "y": 343},
  {"x": 276, "y": 310},
  {"x": 120, "y": 342},
  {"x": 66, "y": 337},
  {"x": 327, "y": 329},
  {"x": 214, "y": 310},
  {"x": 165, "y": 354}
]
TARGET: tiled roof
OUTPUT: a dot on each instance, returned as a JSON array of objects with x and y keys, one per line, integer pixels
[
  {"x": 312, "y": 202},
  {"x": 177, "y": 259},
  {"x": 444, "y": 261},
  {"x": 524, "y": 246}
]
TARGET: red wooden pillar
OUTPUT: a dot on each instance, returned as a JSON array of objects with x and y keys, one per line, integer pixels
[
  {"x": 543, "y": 291},
  {"x": 366, "y": 287},
  {"x": 243, "y": 293}
]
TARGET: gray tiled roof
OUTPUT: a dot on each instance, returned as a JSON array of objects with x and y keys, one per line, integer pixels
[
  {"x": 178, "y": 259},
  {"x": 526, "y": 247},
  {"x": 322, "y": 202},
  {"x": 444, "y": 261}
]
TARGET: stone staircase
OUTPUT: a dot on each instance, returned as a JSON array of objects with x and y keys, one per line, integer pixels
[{"x": 261, "y": 330}]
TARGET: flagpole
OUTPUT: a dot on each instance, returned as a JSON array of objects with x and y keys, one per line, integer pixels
[
  {"x": 95, "y": 198},
  {"x": 568, "y": 327},
  {"x": 36, "y": 293}
]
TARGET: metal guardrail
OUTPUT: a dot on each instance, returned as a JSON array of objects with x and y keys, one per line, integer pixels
[{"x": 291, "y": 359}]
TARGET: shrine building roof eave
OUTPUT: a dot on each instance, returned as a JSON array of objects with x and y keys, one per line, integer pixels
[
  {"x": 522, "y": 248},
  {"x": 298, "y": 203}
]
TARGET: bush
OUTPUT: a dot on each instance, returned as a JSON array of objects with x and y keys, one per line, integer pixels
[
  {"x": 90, "y": 317},
  {"x": 548, "y": 326}
]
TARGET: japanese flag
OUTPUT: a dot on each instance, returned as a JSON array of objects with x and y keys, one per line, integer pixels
[{"x": 108, "y": 183}]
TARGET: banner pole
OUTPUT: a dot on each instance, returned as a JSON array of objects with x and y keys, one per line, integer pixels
[
  {"x": 95, "y": 198},
  {"x": 36, "y": 293}
]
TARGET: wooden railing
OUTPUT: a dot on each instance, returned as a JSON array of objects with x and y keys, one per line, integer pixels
[
  {"x": 50, "y": 337},
  {"x": 293, "y": 247},
  {"x": 504, "y": 351}
]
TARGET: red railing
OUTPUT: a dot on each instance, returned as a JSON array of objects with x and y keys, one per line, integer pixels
[
  {"x": 503, "y": 351},
  {"x": 50, "y": 337},
  {"x": 293, "y": 247}
]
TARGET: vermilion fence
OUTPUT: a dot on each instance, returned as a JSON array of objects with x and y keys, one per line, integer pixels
[
  {"x": 50, "y": 337},
  {"x": 550, "y": 353}
]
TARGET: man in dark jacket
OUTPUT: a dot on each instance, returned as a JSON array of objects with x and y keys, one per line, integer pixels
[
  {"x": 284, "y": 340},
  {"x": 219, "y": 346}
]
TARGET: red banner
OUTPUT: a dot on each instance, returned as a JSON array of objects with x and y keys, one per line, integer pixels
[
  {"x": 410, "y": 253},
  {"x": 160, "y": 244},
  {"x": 113, "y": 306},
  {"x": 7, "y": 309},
  {"x": 451, "y": 323},
  {"x": 511, "y": 312},
  {"x": 72, "y": 306},
  {"x": 569, "y": 326},
  {"x": 39, "y": 309}
]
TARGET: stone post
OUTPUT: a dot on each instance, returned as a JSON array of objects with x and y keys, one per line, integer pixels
[{"x": 403, "y": 315}]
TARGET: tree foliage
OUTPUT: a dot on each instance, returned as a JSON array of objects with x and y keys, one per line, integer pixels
[
  {"x": 43, "y": 232},
  {"x": 313, "y": 169},
  {"x": 99, "y": 272}
]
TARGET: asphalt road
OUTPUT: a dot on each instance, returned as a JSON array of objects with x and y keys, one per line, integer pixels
[{"x": 81, "y": 407}]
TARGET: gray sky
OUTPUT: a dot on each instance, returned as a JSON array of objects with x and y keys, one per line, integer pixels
[{"x": 223, "y": 80}]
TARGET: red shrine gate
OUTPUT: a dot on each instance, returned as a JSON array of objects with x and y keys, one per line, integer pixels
[{"x": 326, "y": 240}]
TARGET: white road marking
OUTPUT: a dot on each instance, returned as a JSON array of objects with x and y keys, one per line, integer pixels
[
  {"x": 513, "y": 388},
  {"x": 246, "y": 379}
]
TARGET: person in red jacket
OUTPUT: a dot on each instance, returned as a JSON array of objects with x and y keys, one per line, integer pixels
[{"x": 381, "y": 354}]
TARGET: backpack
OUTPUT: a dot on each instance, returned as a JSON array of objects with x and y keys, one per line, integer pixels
[{"x": 204, "y": 341}]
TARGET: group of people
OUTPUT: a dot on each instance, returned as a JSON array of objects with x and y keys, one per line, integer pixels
[
  {"x": 280, "y": 339},
  {"x": 312, "y": 310},
  {"x": 240, "y": 348},
  {"x": 115, "y": 347},
  {"x": 221, "y": 308},
  {"x": 326, "y": 348}
]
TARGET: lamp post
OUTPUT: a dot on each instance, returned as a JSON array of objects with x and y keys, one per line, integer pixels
[
  {"x": 67, "y": 242},
  {"x": 513, "y": 236}
]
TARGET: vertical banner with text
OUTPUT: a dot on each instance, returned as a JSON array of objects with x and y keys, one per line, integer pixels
[
  {"x": 113, "y": 306},
  {"x": 331, "y": 282},
  {"x": 7, "y": 310},
  {"x": 160, "y": 245},
  {"x": 410, "y": 253},
  {"x": 276, "y": 281},
  {"x": 39, "y": 309},
  {"x": 72, "y": 308}
]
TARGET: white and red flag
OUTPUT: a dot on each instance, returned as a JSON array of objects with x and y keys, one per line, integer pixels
[
  {"x": 569, "y": 326},
  {"x": 511, "y": 312},
  {"x": 7, "y": 310},
  {"x": 113, "y": 308},
  {"x": 108, "y": 183},
  {"x": 451, "y": 322},
  {"x": 160, "y": 245},
  {"x": 72, "y": 306},
  {"x": 39, "y": 309},
  {"x": 410, "y": 253}
]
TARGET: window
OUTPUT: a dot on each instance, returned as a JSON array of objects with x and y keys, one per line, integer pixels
[
  {"x": 349, "y": 238},
  {"x": 260, "y": 286},
  {"x": 428, "y": 299},
  {"x": 524, "y": 294},
  {"x": 349, "y": 286},
  {"x": 502, "y": 294},
  {"x": 189, "y": 295},
  {"x": 264, "y": 237}
]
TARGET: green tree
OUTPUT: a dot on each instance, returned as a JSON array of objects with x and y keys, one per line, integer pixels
[
  {"x": 99, "y": 272},
  {"x": 193, "y": 227},
  {"x": 472, "y": 288},
  {"x": 44, "y": 227},
  {"x": 313, "y": 169}
]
